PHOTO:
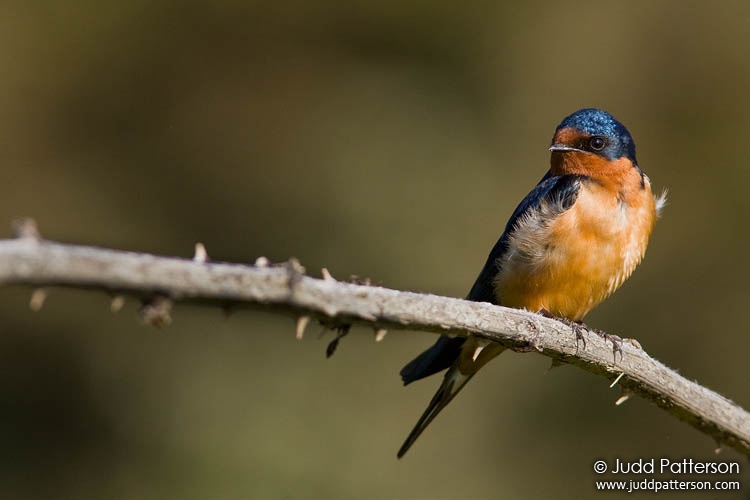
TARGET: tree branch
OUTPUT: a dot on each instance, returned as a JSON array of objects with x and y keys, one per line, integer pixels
[{"x": 285, "y": 288}]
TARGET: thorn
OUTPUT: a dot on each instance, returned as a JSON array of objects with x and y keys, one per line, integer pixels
[
  {"x": 302, "y": 322},
  {"x": 156, "y": 312},
  {"x": 327, "y": 275},
  {"x": 38, "y": 296},
  {"x": 481, "y": 344},
  {"x": 634, "y": 343},
  {"x": 625, "y": 396},
  {"x": 356, "y": 280},
  {"x": 295, "y": 265},
  {"x": 477, "y": 352},
  {"x": 368, "y": 316},
  {"x": 331, "y": 348},
  {"x": 380, "y": 334},
  {"x": 26, "y": 228},
  {"x": 200, "y": 254},
  {"x": 622, "y": 399},
  {"x": 341, "y": 332},
  {"x": 295, "y": 271},
  {"x": 118, "y": 301},
  {"x": 622, "y": 374},
  {"x": 261, "y": 262}
]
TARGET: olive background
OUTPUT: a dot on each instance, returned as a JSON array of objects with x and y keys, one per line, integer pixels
[{"x": 385, "y": 139}]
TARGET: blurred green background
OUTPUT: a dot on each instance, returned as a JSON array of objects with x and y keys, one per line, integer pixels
[{"x": 385, "y": 139}]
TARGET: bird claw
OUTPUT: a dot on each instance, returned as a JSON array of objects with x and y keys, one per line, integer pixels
[
  {"x": 616, "y": 342},
  {"x": 579, "y": 327},
  {"x": 578, "y": 330},
  {"x": 576, "y": 326}
]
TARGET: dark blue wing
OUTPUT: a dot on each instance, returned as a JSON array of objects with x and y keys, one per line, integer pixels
[{"x": 564, "y": 191}]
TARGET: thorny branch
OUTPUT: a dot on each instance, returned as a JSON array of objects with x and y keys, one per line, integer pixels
[{"x": 160, "y": 281}]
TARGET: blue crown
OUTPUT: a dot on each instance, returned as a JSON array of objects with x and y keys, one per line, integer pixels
[{"x": 598, "y": 122}]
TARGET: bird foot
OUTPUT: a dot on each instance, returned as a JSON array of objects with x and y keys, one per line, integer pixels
[
  {"x": 578, "y": 328},
  {"x": 616, "y": 342}
]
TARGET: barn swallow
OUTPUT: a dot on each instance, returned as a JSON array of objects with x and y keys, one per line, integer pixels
[{"x": 572, "y": 241}]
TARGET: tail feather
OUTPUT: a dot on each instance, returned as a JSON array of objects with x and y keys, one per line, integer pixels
[
  {"x": 452, "y": 384},
  {"x": 437, "y": 358}
]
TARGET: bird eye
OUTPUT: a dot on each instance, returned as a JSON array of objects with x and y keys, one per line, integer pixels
[{"x": 597, "y": 143}]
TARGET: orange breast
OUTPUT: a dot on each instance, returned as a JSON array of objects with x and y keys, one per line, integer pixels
[{"x": 569, "y": 264}]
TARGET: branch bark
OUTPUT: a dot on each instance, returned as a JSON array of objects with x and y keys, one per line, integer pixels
[{"x": 285, "y": 288}]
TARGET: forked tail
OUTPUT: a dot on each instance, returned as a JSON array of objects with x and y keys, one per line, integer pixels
[{"x": 452, "y": 384}]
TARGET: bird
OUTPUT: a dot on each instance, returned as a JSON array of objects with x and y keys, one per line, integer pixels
[{"x": 570, "y": 243}]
